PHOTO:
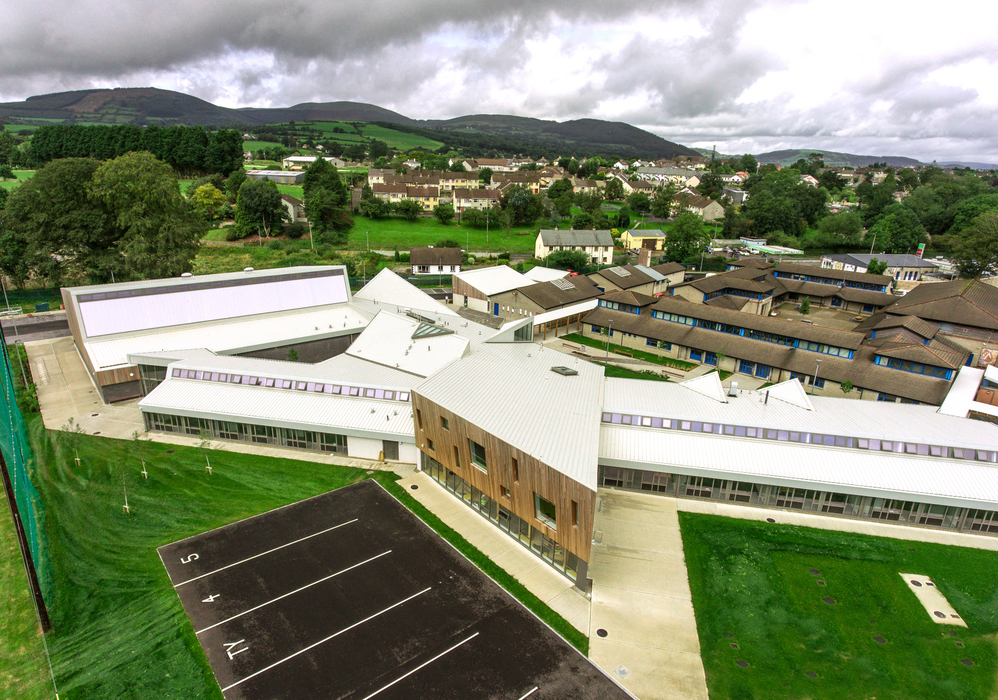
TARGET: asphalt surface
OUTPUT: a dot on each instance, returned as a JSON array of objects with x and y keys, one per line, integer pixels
[
  {"x": 348, "y": 595},
  {"x": 28, "y": 328}
]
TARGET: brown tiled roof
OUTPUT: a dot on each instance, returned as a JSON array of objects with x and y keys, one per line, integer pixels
[
  {"x": 634, "y": 278},
  {"x": 422, "y": 191},
  {"x": 926, "y": 329},
  {"x": 727, "y": 301},
  {"x": 393, "y": 188},
  {"x": 861, "y": 370},
  {"x": 935, "y": 353},
  {"x": 865, "y": 296},
  {"x": 463, "y": 193},
  {"x": 435, "y": 256},
  {"x": 669, "y": 268},
  {"x": 815, "y": 271},
  {"x": 694, "y": 201},
  {"x": 751, "y": 262},
  {"x": 795, "y": 329},
  {"x": 960, "y": 302},
  {"x": 632, "y": 298},
  {"x": 549, "y": 295},
  {"x": 716, "y": 283}
]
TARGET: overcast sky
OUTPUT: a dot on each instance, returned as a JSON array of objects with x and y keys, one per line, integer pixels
[{"x": 878, "y": 77}]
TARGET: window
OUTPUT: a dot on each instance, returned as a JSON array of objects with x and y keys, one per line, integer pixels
[
  {"x": 505, "y": 492},
  {"x": 419, "y": 418},
  {"x": 478, "y": 455},
  {"x": 429, "y": 443},
  {"x": 575, "y": 513},
  {"x": 516, "y": 471},
  {"x": 545, "y": 511},
  {"x": 444, "y": 423},
  {"x": 457, "y": 458},
  {"x": 696, "y": 354}
]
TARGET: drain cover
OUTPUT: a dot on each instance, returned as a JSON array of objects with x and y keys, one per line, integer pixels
[
  {"x": 916, "y": 583},
  {"x": 830, "y": 601},
  {"x": 414, "y": 487},
  {"x": 939, "y": 614},
  {"x": 622, "y": 671},
  {"x": 743, "y": 664},
  {"x": 770, "y": 520},
  {"x": 880, "y": 640},
  {"x": 601, "y": 632}
]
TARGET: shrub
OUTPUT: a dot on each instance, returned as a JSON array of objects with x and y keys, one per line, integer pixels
[
  {"x": 295, "y": 230},
  {"x": 275, "y": 245},
  {"x": 233, "y": 234}
]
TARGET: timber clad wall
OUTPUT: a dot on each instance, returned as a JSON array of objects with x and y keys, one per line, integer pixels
[
  {"x": 459, "y": 286},
  {"x": 534, "y": 476}
]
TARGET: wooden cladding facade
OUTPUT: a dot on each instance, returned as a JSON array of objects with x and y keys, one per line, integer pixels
[
  {"x": 508, "y": 468},
  {"x": 459, "y": 286},
  {"x": 118, "y": 375}
]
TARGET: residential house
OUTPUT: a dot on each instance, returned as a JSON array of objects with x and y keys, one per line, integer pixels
[
  {"x": 294, "y": 207},
  {"x": 643, "y": 238},
  {"x": 598, "y": 245},
  {"x": 477, "y": 289},
  {"x": 704, "y": 207},
  {"x": 736, "y": 196},
  {"x": 435, "y": 261},
  {"x": 634, "y": 278},
  {"x": 901, "y": 267},
  {"x": 465, "y": 199}
]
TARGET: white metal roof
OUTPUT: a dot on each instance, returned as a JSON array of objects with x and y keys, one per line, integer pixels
[
  {"x": 388, "y": 341},
  {"x": 281, "y": 408},
  {"x": 889, "y": 475},
  {"x": 388, "y": 289},
  {"x": 494, "y": 280},
  {"x": 510, "y": 391},
  {"x": 574, "y": 309},
  {"x": 833, "y": 416},
  {"x": 545, "y": 274},
  {"x": 962, "y": 392},
  {"x": 241, "y": 335}
]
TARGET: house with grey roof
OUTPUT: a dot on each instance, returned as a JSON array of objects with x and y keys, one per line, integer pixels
[
  {"x": 902, "y": 267},
  {"x": 598, "y": 245}
]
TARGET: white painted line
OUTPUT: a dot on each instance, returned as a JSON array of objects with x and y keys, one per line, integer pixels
[
  {"x": 529, "y": 693},
  {"x": 323, "y": 641},
  {"x": 255, "y": 556},
  {"x": 425, "y": 663},
  {"x": 298, "y": 590}
]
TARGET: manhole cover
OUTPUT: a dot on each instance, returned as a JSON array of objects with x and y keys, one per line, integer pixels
[
  {"x": 96, "y": 432},
  {"x": 734, "y": 645},
  {"x": 830, "y": 601},
  {"x": 959, "y": 645},
  {"x": 814, "y": 572},
  {"x": 770, "y": 520},
  {"x": 939, "y": 614},
  {"x": 170, "y": 452},
  {"x": 966, "y": 662},
  {"x": 880, "y": 640},
  {"x": 916, "y": 583},
  {"x": 743, "y": 664},
  {"x": 810, "y": 674},
  {"x": 414, "y": 487},
  {"x": 622, "y": 671},
  {"x": 601, "y": 632},
  {"x": 820, "y": 582}
]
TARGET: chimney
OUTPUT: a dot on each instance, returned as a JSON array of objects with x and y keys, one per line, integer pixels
[{"x": 644, "y": 257}]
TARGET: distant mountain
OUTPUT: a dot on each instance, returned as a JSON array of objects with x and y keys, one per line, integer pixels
[
  {"x": 145, "y": 106},
  {"x": 831, "y": 158}
]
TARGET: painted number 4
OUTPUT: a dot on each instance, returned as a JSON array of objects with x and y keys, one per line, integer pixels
[
  {"x": 211, "y": 598},
  {"x": 189, "y": 559}
]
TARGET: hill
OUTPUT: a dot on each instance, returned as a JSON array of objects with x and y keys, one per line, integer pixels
[
  {"x": 831, "y": 158},
  {"x": 509, "y": 134}
]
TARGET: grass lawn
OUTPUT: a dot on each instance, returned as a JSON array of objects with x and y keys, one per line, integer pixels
[
  {"x": 615, "y": 371},
  {"x": 392, "y": 232},
  {"x": 637, "y": 354},
  {"x": 211, "y": 260},
  {"x": 119, "y": 628},
  {"x": 752, "y": 587},
  {"x": 20, "y": 175},
  {"x": 400, "y": 139},
  {"x": 23, "y": 671}
]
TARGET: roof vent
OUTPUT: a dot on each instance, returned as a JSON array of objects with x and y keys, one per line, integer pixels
[
  {"x": 564, "y": 371},
  {"x": 733, "y": 389},
  {"x": 247, "y": 269},
  {"x": 186, "y": 274}
]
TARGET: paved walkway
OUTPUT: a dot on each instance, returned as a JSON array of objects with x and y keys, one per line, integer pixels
[
  {"x": 641, "y": 598},
  {"x": 555, "y": 590}
]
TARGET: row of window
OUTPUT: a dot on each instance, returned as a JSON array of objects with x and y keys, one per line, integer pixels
[
  {"x": 913, "y": 367},
  {"x": 744, "y": 431},
  {"x": 727, "y": 291},
  {"x": 261, "y": 434},
  {"x": 294, "y": 384},
  {"x": 617, "y": 306},
  {"x": 823, "y": 348},
  {"x": 893, "y": 510},
  {"x": 825, "y": 280}
]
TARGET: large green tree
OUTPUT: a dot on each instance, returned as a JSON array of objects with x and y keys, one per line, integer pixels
[
  {"x": 614, "y": 190},
  {"x": 662, "y": 201},
  {"x": 524, "y": 206},
  {"x": 898, "y": 230},
  {"x": 258, "y": 208},
  {"x": 687, "y": 239},
  {"x": 976, "y": 254},
  {"x": 326, "y": 202}
]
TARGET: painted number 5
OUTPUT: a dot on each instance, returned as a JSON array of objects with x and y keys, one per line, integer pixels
[{"x": 188, "y": 560}]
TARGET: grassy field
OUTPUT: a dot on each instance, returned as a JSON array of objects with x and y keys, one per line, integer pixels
[
  {"x": 392, "y": 232},
  {"x": 400, "y": 139},
  {"x": 119, "y": 628},
  {"x": 637, "y": 354},
  {"x": 21, "y": 176},
  {"x": 757, "y": 602}
]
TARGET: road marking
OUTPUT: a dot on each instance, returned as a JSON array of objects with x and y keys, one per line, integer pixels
[
  {"x": 426, "y": 664},
  {"x": 255, "y": 556},
  {"x": 230, "y": 648},
  {"x": 529, "y": 693},
  {"x": 323, "y": 641},
  {"x": 261, "y": 605}
]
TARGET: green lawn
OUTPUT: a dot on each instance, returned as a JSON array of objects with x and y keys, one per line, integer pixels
[
  {"x": 615, "y": 371},
  {"x": 392, "y": 232},
  {"x": 119, "y": 629},
  {"x": 258, "y": 145},
  {"x": 21, "y": 176},
  {"x": 400, "y": 139},
  {"x": 23, "y": 671},
  {"x": 637, "y": 354},
  {"x": 752, "y": 587}
]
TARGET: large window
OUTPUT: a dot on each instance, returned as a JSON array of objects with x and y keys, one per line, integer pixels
[
  {"x": 545, "y": 511},
  {"x": 478, "y": 455}
]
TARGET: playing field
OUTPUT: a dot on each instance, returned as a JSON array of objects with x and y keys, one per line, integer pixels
[
  {"x": 788, "y": 612},
  {"x": 349, "y": 595}
]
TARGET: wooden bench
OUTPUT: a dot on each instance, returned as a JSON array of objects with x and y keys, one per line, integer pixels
[{"x": 571, "y": 346}]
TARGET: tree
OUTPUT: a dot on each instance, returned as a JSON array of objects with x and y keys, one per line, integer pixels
[
  {"x": 207, "y": 201},
  {"x": 805, "y": 306},
  {"x": 748, "y": 164},
  {"x": 354, "y": 152},
  {"x": 639, "y": 202},
  {"x": 843, "y": 228},
  {"x": 584, "y": 221},
  {"x": 559, "y": 188},
  {"x": 876, "y": 267},
  {"x": 447, "y": 243},
  {"x": 258, "y": 208},
  {"x": 614, "y": 190},
  {"x": 232, "y": 184},
  {"x": 525, "y": 206},
  {"x": 374, "y": 208},
  {"x": 711, "y": 185},
  {"x": 326, "y": 201},
  {"x": 686, "y": 239},
  {"x": 409, "y": 209},
  {"x": 662, "y": 201},
  {"x": 589, "y": 201},
  {"x": 485, "y": 176},
  {"x": 378, "y": 149},
  {"x": 157, "y": 232},
  {"x": 7, "y": 173},
  {"x": 898, "y": 230},
  {"x": 575, "y": 260},
  {"x": 846, "y": 387},
  {"x": 444, "y": 213},
  {"x": 976, "y": 253}
]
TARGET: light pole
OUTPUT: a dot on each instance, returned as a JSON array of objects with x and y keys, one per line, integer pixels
[
  {"x": 310, "y": 239},
  {"x": 609, "y": 333},
  {"x": 815, "y": 379},
  {"x": 874, "y": 242}
]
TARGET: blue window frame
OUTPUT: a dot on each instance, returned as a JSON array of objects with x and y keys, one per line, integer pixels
[
  {"x": 696, "y": 354},
  {"x": 746, "y": 367},
  {"x": 710, "y": 358},
  {"x": 762, "y": 370}
]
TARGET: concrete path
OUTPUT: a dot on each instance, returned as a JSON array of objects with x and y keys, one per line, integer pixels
[
  {"x": 641, "y": 598},
  {"x": 555, "y": 590}
]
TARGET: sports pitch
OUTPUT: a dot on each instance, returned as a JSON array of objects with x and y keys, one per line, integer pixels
[{"x": 349, "y": 595}]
